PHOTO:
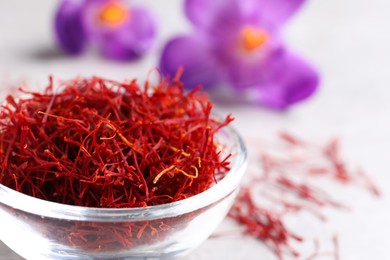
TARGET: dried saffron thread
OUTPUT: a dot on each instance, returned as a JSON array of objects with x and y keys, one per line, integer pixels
[
  {"x": 282, "y": 183},
  {"x": 317, "y": 254},
  {"x": 106, "y": 138},
  {"x": 101, "y": 143}
]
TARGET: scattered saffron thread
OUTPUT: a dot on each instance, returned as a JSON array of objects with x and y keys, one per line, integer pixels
[{"x": 282, "y": 183}]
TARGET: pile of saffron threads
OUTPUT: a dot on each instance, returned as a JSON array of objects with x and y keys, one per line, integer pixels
[
  {"x": 286, "y": 177},
  {"x": 100, "y": 143}
]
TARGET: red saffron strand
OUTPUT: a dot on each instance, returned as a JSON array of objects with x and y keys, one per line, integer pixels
[
  {"x": 100, "y": 143},
  {"x": 282, "y": 181},
  {"x": 105, "y": 137}
]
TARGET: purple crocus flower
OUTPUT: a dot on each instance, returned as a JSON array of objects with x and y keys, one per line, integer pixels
[
  {"x": 237, "y": 43},
  {"x": 117, "y": 30}
]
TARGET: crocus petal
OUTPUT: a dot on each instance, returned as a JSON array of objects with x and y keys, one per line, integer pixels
[
  {"x": 225, "y": 14},
  {"x": 69, "y": 27},
  {"x": 245, "y": 69},
  {"x": 193, "y": 55},
  {"x": 131, "y": 40},
  {"x": 291, "y": 80},
  {"x": 201, "y": 12},
  {"x": 278, "y": 11},
  {"x": 245, "y": 51},
  {"x": 218, "y": 14}
]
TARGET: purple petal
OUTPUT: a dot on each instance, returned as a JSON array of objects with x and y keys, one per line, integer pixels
[
  {"x": 131, "y": 40},
  {"x": 69, "y": 27},
  {"x": 230, "y": 14},
  {"x": 291, "y": 80},
  {"x": 191, "y": 53},
  {"x": 203, "y": 13},
  {"x": 222, "y": 16},
  {"x": 246, "y": 69},
  {"x": 278, "y": 11}
]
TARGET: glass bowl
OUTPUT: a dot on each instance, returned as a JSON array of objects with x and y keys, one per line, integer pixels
[{"x": 38, "y": 229}]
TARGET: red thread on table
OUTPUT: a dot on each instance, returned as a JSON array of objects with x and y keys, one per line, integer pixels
[{"x": 282, "y": 182}]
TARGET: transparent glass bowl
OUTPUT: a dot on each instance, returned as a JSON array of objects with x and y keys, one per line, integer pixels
[{"x": 38, "y": 229}]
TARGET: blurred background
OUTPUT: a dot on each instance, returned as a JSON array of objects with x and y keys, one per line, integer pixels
[{"x": 347, "y": 40}]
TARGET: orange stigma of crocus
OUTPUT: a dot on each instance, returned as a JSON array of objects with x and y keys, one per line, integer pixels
[
  {"x": 113, "y": 14},
  {"x": 253, "y": 38}
]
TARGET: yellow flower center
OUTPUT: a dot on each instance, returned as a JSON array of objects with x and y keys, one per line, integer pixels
[
  {"x": 253, "y": 38},
  {"x": 113, "y": 14}
]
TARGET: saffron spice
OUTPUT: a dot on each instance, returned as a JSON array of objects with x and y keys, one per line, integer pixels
[
  {"x": 101, "y": 143},
  {"x": 285, "y": 178}
]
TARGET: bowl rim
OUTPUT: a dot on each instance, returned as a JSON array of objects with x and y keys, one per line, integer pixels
[{"x": 224, "y": 187}]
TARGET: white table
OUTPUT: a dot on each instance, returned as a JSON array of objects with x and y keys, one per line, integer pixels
[{"x": 348, "y": 40}]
